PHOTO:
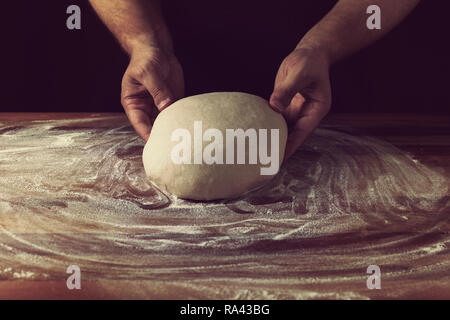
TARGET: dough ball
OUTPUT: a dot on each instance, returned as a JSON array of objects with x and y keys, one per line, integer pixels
[{"x": 197, "y": 172}]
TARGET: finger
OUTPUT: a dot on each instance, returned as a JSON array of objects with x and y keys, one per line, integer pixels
[
  {"x": 281, "y": 97},
  {"x": 312, "y": 114},
  {"x": 292, "y": 112},
  {"x": 138, "y": 105},
  {"x": 286, "y": 87},
  {"x": 295, "y": 139},
  {"x": 140, "y": 121},
  {"x": 158, "y": 88}
]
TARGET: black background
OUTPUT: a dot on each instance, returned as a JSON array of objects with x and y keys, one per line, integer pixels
[{"x": 223, "y": 46}]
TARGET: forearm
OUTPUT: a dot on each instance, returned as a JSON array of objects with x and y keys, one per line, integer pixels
[
  {"x": 134, "y": 23},
  {"x": 343, "y": 30}
]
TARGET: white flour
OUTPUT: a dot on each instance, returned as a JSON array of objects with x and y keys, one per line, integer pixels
[{"x": 80, "y": 196}]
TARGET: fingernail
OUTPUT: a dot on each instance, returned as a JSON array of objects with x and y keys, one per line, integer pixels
[{"x": 164, "y": 103}]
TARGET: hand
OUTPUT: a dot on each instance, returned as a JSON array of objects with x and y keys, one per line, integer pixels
[
  {"x": 152, "y": 81},
  {"x": 302, "y": 93}
]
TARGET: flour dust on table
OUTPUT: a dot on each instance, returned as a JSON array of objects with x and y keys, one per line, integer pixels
[{"x": 75, "y": 192}]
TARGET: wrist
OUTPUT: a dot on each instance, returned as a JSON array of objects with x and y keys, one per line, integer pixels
[
  {"x": 157, "y": 40},
  {"x": 315, "y": 51}
]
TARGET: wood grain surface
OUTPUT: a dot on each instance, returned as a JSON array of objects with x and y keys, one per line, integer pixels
[{"x": 377, "y": 193}]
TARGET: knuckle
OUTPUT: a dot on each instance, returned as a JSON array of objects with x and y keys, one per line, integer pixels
[
  {"x": 156, "y": 92},
  {"x": 283, "y": 92},
  {"x": 143, "y": 69},
  {"x": 141, "y": 72},
  {"x": 291, "y": 61},
  {"x": 126, "y": 102},
  {"x": 151, "y": 65}
]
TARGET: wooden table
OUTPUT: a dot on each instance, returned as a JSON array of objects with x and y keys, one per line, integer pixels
[{"x": 222, "y": 250}]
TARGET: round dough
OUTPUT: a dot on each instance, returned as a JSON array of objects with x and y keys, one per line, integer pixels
[{"x": 219, "y": 110}]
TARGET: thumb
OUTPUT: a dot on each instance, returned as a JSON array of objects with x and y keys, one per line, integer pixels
[
  {"x": 282, "y": 96},
  {"x": 286, "y": 88},
  {"x": 158, "y": 89}
]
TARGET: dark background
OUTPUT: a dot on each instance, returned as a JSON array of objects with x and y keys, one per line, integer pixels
[{"x": 223, "y": 46}]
